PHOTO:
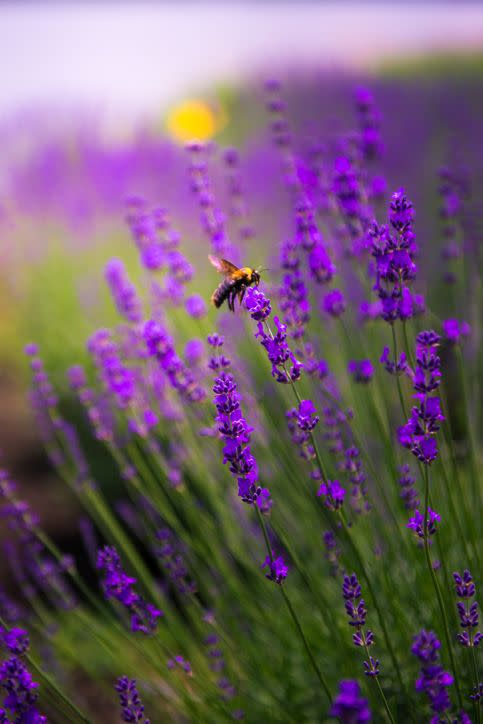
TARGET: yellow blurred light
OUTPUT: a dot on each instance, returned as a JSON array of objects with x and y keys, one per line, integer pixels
[{"x": 193, "y": 120}]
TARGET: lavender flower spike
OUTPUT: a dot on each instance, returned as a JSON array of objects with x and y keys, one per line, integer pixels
[
  {"x": 356, "y": 610},
  {"x": 467, "y": 612},
  {"x": 433, "y": 680},
  {"x": 276, "y": 346},
  {"x": 236, "y": 433},
  {"x": 118, "y": 585},
  {"x": 349, "y": 706},
  {"x": 132, "y": 708}
]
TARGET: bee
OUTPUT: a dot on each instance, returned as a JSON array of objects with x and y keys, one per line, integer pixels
[{"x": 235, "y": 283}]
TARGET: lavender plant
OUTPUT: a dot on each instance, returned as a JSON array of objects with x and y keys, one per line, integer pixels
[{"x": 255, "y": 463}]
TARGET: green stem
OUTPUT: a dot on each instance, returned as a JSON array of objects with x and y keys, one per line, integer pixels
[
  {"x": 399, "y": 389},
  {"x": 292, "y": 611},
  {"x": 477, "y": 706},
  {"x": 406, "y": 342},
  {"x": 436, "y": 586}
]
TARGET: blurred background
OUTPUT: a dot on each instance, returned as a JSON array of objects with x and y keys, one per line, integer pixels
[{"x": 97, "y": 102}]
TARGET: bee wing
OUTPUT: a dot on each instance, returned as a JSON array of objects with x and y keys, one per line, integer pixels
[{"x": 223, "y": 266}]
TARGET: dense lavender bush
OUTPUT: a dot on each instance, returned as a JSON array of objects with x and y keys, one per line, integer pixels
[{"x": 285, "y": 475}]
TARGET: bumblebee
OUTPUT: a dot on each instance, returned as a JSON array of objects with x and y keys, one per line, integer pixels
[{"x": 235, "y": 283}]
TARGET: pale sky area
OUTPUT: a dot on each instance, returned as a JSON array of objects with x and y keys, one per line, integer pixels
[{"x": 137, "y": 57}]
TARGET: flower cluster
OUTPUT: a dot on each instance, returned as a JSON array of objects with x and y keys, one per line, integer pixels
[
  {"x": 293, "y": 293},
  {"x": 238, "y": 207},
  {"x": 123, "y": 291},
  {"x": 332, "y": 551},
  {"x": 21, "y": 692},
  {"x": 236, "y": 433},
  {"x": 170, "y": 555},
  {"x": 397, "y": 367},
  {"x": 408, "y": 493},
  {"x": 332, "y": 493},
  {"x": 338, "y": 434},
  {"x": 179, "y": 662},
  {"x": 433, "y": 680},
  {"x": 422, "y": 527},
  {"x": 334, "y": 303},
  {"x": 276, "y": 345},
  {"x": 117, "y": 378},
  {"x": 218, "y": 361},
  {"x": 212, "y": 218},
  {"x": 277, "y": 569},
  {"x": 160, "y": 345},
  {"x": 119, "y": 586},
  {"x": 394, "y": 252},
  {"x": 419, "y": 434},
  {"x": 454, "y": 331},
  {"x": 361, "y": 371},
  {"x": 41, "y": 571},
  {"x": 349, "y": 706},
  {"x": 453, "y": 189},
  {"x": 467, "y": 612},
  {"x": 371, "y": 144},
  {"x": 356, "y": 610},
  {"x": 132, "y": 708}
]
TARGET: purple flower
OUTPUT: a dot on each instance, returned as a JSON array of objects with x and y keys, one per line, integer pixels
[
  {"x": 454, "y": 331},
  {"x": 179, "y": 662},
  {"x": 349, "y": 706},
  {"x": 394, "y": 251},
  {"x": 171, "y": 555},
  {"x": 334, "y": 494},
  {"x": 275, "y": 344},
  {"x": 278, "y": 569},
  {"x": 321, "y": 267},
  {"x": 257, "y": 304},
  {"x": 408, "y": 493},
  {"x": 132, "y": 708},
  {"x": 417, "y": 523},
  {"x": 371, "y": 144},
  {"x": 123, "y": 291},
  {"x": 118, "y": 585},
  {"x": 433, "y": 680},
  {"x": 307, "y": 418},
  {"x": 356, "y": 611},
  {"x": 20, "y": 693},
  {"x": 264, "y": 501},
  {"x": 160, "y": 345},
  {"x": 419, "y": 433},
  {"x": 334, "y": 303},
  {"x": 196, "y": 306},
  {"x": 362, "y": 371},
  {"x": 194, "y": 351},
  {"x": 235, "y": 431},
  {"x": 467, "y": 612},
  {"x": 16, "y": 640}
]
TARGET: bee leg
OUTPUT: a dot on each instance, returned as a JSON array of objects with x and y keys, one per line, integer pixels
[
  {"x": 241, "y": 295},
  {"x": 231, "y": 302}
]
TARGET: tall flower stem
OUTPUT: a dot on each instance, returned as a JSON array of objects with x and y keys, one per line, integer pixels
[
  {"x": 406, "y": 342},
  {"x": 437, "y": 588},
  {"x": 380, "y": 689},
  {"x": 294, "y": 616},
  {"x": 399, "y": 389}
]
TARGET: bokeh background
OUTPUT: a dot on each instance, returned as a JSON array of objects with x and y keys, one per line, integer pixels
[{"x": 97, "y": 101}]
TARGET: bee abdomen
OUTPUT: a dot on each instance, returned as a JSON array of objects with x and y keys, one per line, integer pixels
[{"x": 221, "y": 292}]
